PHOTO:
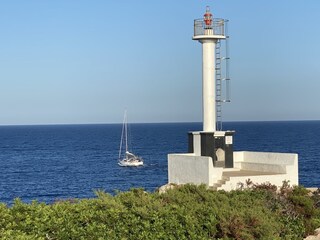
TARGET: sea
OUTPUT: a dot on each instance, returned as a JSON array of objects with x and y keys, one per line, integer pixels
[{"x": 50, "y": 163}]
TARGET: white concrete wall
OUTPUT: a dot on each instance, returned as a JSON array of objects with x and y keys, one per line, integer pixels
[
  {"x": 278, "y": 163},
  {"x": 264, "y": 167},
  {"x": 189, "y": 168},
  {"x": 266, "y": 157}
]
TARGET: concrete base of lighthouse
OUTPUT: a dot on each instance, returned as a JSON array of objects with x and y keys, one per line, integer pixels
[{"x": 211, "y": 161}]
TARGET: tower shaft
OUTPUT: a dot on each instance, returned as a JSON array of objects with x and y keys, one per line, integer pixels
[{"x": 208, "y": 85}]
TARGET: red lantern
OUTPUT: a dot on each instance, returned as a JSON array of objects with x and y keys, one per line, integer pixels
[{"x": 207, "y": 18}]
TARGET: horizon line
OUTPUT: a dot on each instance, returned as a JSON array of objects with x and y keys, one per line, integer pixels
[{"x": 168, "y": 122}]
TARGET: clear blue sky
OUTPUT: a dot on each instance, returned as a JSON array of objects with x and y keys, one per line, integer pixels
[{"x": 81, "y": 61}]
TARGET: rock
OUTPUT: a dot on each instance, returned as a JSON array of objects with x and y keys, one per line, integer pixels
[
  {"x": 166, "y": 187},
  {"x": 312, "y": 238},
  {"x": 317, "y": 231},
  {"x": 313, "y": 190},
  {"x": 316, "y": 235}
]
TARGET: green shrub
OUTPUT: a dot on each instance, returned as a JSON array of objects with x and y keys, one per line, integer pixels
[{"x": 187, "y": 212}]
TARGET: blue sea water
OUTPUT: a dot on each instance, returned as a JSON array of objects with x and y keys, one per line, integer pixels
[{"x": 53, "y": 162}]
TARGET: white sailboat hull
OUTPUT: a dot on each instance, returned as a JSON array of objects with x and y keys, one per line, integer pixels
[{"x": 130, "y": 163}]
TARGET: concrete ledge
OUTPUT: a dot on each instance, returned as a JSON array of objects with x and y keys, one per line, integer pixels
[{"x": 263, "y": 167}]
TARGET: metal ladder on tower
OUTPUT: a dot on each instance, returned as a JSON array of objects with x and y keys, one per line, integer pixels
[
  {"x": 218, "y": 86},
  {"x": 222, "y": 80}
]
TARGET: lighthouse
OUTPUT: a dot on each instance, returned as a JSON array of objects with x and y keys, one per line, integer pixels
[{"x": 210, "y": 159}]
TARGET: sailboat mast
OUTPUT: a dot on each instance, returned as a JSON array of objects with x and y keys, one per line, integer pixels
[
  {"x": 122, "y": 134},
  {"x": 126, "y": 130}
]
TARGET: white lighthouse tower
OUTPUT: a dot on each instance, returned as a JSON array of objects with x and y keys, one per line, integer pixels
[{"x": 209, "y": 32}]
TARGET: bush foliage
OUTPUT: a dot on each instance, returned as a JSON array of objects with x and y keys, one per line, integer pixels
[{"x": 187, "y": 212}]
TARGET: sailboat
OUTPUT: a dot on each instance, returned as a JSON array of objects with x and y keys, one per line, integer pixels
[{"x": 129, "y": 159}]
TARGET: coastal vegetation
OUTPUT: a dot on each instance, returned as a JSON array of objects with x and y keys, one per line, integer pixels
[{"x": 185, "y": 212}]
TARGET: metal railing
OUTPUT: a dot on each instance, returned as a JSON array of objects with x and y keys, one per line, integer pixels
[{"x": 217, "y": 27}]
